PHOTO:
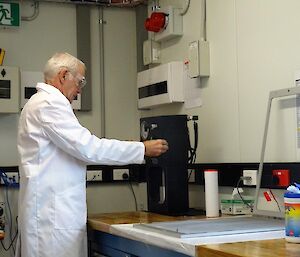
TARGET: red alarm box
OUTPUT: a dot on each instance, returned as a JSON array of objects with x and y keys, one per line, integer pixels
[{"x": 156, "y": 22}]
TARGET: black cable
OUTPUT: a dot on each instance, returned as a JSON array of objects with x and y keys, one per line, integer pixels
[
  {"x": 10, "y": 229},
  {"x": 11, "y": 243},
  {"x": 244, "y": 202},
  {"x": 275, "y": 200},
  {"x": 190, "y": 173},
  {"x": 10, "y": 216},
  {"x": 193, "y": 150},
  {"x": 135, "y": 201},
  {"x": 12, "y": 239},
  {"x": 196, "y": 135}
]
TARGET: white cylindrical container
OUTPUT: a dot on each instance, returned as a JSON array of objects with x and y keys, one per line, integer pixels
[
  {"x": 292, "y": 217},
  {"x": 211, "y": 193}
]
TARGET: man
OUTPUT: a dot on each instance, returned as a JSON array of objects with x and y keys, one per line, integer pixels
[{"x": 54, "y": 150}]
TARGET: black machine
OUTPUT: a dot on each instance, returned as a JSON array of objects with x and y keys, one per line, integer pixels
[{"x": 167, "y": 175}]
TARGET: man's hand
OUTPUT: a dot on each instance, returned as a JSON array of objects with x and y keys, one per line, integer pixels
[{"x": 154, "y": 148}]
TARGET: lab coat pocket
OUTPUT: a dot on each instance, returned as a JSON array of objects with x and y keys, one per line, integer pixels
[{"x": 70, "y": 208}]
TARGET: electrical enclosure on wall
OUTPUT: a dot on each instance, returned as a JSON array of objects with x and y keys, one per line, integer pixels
[
  {"x": 9, "y": 89},
  {"x": 160, "y": 85},
  {"x": 173, "y": 27},
  {"x": 198, "y": 64},
  {"x": 151, "y": 52}
]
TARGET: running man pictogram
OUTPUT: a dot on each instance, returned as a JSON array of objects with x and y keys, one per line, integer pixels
[{"x": 4, "y": 15}]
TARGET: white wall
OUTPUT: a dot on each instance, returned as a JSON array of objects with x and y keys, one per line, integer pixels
[
  {"x": 120, "y": 74},
  {"x": 29, "y": 47},
  {"x": 254, "y": 48}
]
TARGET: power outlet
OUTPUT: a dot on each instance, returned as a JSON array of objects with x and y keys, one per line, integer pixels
[
  {"x": 93, "y": 175},
  {"x": 12, "y": 178},
  {"x": 253, "y": 175},
  {"x": 120, "y": 174}
]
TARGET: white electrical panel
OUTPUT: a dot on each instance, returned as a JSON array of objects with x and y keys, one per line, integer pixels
[
  {"x": 174, "y": 24},
  {"x": 9, "y": 89},
  {"x": 160, "y": 85}
]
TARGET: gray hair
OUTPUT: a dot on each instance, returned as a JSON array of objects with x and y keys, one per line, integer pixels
[{"x": 61, "y": 61}]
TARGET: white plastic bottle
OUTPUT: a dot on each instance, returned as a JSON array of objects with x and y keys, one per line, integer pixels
[{"x": 211, "y": 193}]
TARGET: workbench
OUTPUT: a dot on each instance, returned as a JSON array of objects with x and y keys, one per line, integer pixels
[{"x": 103, "y": 239}]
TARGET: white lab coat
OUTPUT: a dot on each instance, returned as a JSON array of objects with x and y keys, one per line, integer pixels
[{"x": 54, "y": 150}]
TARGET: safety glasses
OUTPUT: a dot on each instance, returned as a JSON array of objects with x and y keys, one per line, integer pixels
[{"x": 80, "y": 80}]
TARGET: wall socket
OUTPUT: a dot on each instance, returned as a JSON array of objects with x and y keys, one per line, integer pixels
[
  {"x": 253, "y": 175},
  {"x": 13, "y": 177},
  {"x": 120, "y": 174},
  {"x": 93, "y": 175}
]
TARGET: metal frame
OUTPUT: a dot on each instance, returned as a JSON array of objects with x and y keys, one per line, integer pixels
[{"x": 273, "y": 94}]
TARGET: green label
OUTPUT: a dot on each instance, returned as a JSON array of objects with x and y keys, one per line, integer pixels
[
  {"x": 236, "y": 201},
  {"x": 9, "y": 14}
]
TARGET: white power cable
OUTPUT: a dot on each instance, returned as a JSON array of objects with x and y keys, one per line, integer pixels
[
  {"x": 35, "y": 12},
  {"x": 186, "y": 8}
]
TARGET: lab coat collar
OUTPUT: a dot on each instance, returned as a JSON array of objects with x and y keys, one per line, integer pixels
[{"x": 48, "y": 88}]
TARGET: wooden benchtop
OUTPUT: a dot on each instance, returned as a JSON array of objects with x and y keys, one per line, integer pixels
[
  {"x": 103, "y": 221},
  {"x": 262, "y": 248}
]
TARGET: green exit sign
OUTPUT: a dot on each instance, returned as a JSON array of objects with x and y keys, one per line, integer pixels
[{"x": 9, "y": 14}]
